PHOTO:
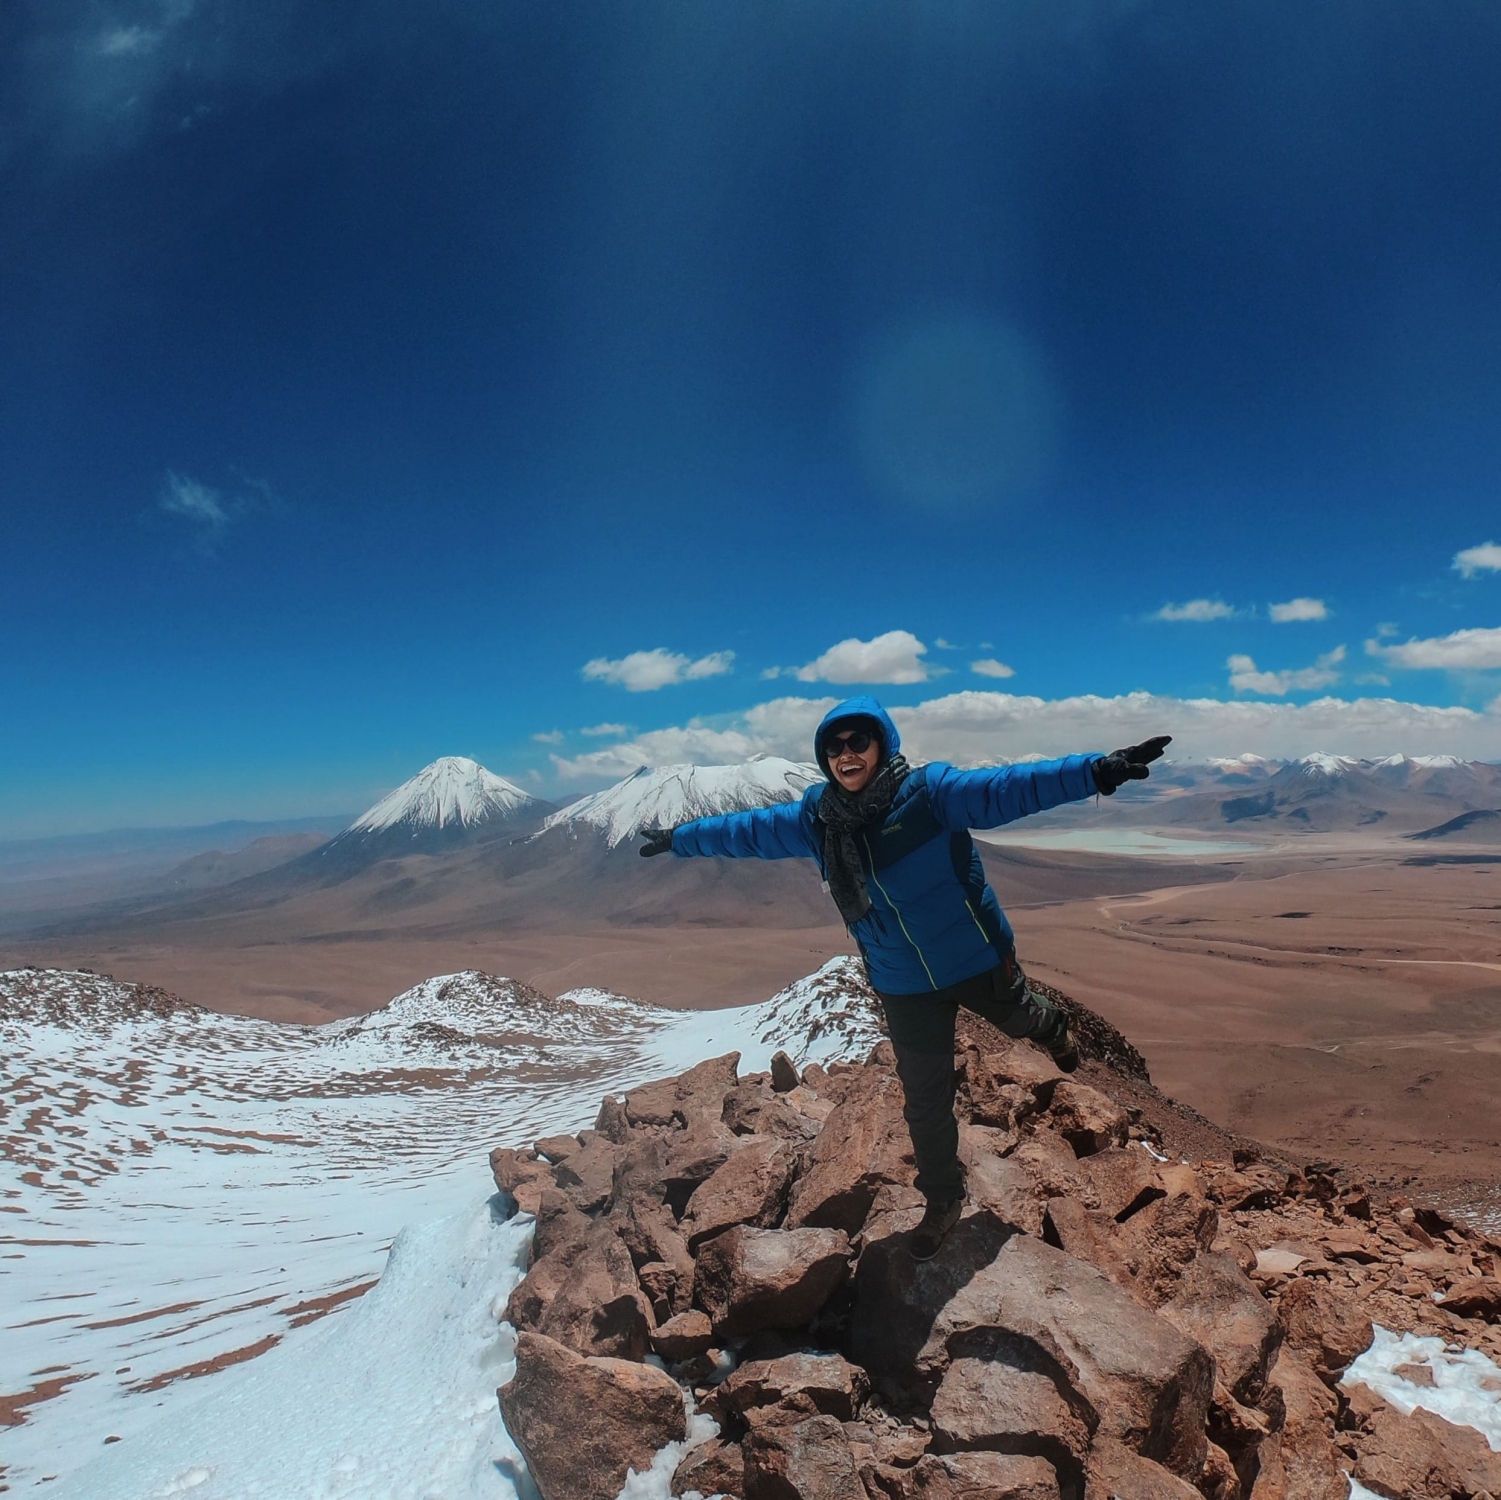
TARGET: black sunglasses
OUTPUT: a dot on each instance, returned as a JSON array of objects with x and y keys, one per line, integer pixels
[{"x": 858, "y": 740}]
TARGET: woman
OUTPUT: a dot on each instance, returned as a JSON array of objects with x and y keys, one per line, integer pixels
[{"x": 894, "y": 846}]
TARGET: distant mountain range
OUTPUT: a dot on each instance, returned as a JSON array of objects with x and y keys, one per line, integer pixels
[{"x": 457, "y": 848}]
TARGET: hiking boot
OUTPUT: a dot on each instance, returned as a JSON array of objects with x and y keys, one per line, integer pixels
[
  {"x": 937, "y": 1220},
  {"x": 1065, "y": 1050}
]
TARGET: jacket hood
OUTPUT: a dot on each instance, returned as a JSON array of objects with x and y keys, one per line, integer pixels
[{"x": 861, "y": 707}]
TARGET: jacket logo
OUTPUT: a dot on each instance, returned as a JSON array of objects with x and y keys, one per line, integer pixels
[{"x": 891, "y": 828}]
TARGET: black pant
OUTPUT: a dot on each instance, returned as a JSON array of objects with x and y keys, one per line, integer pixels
[{"x": 922, "y": 1033}]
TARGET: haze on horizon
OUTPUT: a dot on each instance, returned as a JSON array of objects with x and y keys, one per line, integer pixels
[{"x": 577, "y": 389}]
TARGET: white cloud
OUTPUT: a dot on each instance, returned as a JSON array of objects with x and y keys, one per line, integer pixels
[
  {"x": 1485, "y": 558},
  {"x": 1477, "y": 650},
  {"x": 895, "y": 657},
  {"x": 1197, "y": 610},
  {"x": 605, "y": 731},
  {"x": 551, "y": 737},
  {"x": 944, "y": 645},
  {"x": 1245, "y": 678},
  {"x": 971, "y": 727},
  {"x": 192, "y": 501},
  {"x": 990, "y": 667},
  {"x": 646, "y": 671},
  {"x": 1298, "y": 609}
]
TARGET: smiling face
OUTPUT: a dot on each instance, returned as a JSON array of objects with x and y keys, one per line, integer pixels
[{"x": 849, "y": 767}]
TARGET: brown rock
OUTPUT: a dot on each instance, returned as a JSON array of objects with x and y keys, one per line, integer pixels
[
  {"x": 1474, "y": 1297},
  {"x": 1116, "y": 1472},
  {"x": 582, "y": 1423},
  {"x": 583, "y": 1293},
  {"x": 748, "y": 1279},
  {"x": 683, "y": 1337},
  {"x": 1025, "y": 1065},
  {"x": 1049, "y": 1161},
  {"x": 998, "y": 1183},
  {"x": 833, "y": 1386},
  {"x": 587, "y": 1176},
  {"x": 971, "y": 1476},
  {"x": 712, "y": 1468},
  {"x": 1090, "y": 1235},
  {"x": 1258, "y": 1187},
  {"x": 806, "y": 1460},
  {"x": 1299, "y": 1462},
  {"x": 698, "y": 1093},
  {"x": 753, "y": 1108},
  {"x": 557, "y": 1148},
  {"x": 1218, "y": 1479},
  {"x": 693, "y": 1157},
  {"x": 646, "y": 1227},
  {"x": 783, "y": 1073},
  {"x": 1328, "y": 1324},
  {"x": 1423, "y": 1457},
  {"x": 990, "y": 1097},
  {"x": 1163, "y": 1238},
  {"x": 1122, "y": 1180},
  {"x": 863, "y": 1144},
  {"x": 1086, "y": 1118},
  {"x": 1217, "y": 1306},
  {"x": 750, "y": 1188},
  {"x": 611, "y": 1121},
  {"x": 659, "y": 1285},
  {"x": 516, "y": 1171},
  {"x": 1147, "y": 1382},
  {"x": 1013, "y": 1401}
]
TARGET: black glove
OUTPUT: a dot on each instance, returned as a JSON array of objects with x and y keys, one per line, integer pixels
[
  {"x": 1120, "y": 766},
  {"x": 658, "y": 841}
]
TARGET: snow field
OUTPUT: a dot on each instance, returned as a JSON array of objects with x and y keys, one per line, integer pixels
[{"x": 183, "y": 1188}]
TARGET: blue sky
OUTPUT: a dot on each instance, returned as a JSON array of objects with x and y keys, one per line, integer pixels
[{"x": 372, "y": 369}]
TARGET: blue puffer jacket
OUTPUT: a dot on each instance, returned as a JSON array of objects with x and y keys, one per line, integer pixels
[{"x": 933, "y": 920}]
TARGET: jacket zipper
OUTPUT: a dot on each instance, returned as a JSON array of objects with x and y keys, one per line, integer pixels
[{"x": 898, "y": 911}]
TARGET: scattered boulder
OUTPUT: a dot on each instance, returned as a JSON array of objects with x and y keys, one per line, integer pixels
[
  {"x": 1298, "y": 1461},
  {"x": 685, "y": 1336},
  {"x": 863, "y": 1144},
  {"x": 1013, "y": 1400},
  {"x": 587, "y": 1176},
  {"x": 749, "y": 1188},
  {"x": 557, "y": 1148},
  {"x": 694, "y": 1095},
  {"x": 806, "y": 1460},
  {"x": 582, "y": 1423},
  {"x": 1149, "y": 1384},
  {"x": 1423, "y": 1457},
  {"x": 1122, "y": 1180},
  {"x": 970, "y": 1476},
  {"x": 831, "y": 1385},
  {"x": 1217, "y": 1305},
  {"x": 1087, "y": 1119},
  {"x": 1116, "y": 1472},
  {"x": 583, "y": 1293},
  {"x": 747, "y": 1279},
  {"x": 712, "y": 1468},
  {"x": 1326, "y": 1323},
  {"x": 783, "y": 1073}
]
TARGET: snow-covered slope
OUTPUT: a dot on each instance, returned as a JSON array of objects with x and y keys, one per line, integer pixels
[
  {"x": 664, "y": 796},
  {"x": 451, "y": 791},
  {"x": 185, "y": 1191}
]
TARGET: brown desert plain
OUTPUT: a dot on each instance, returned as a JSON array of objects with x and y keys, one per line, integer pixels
[{"x": 1337, "y": 995}]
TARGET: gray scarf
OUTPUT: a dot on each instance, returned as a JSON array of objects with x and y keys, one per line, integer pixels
[{"x": 843, "y": 815}]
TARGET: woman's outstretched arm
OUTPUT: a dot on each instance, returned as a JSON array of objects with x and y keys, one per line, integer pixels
[
  {"x": 987, "y": 798},
  {"x": 776, "y": 832}
]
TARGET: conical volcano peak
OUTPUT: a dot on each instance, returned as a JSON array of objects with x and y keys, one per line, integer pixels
[
  {"x": 453, "y": 793},
  {"x": 664, "y": 796}
]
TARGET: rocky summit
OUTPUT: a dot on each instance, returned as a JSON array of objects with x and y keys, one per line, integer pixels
[{"x": 1135, "y": 1306}]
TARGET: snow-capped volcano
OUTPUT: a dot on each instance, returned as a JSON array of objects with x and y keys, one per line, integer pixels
[
  {"x": 664, "y": 796},
  {"x": 451, "y": 800},
  {"x": 452, "y": 791}
]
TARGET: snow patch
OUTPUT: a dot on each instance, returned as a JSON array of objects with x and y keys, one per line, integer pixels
[
  {"x": 1466, "y": 1387},
  {"x": 665, "y": 796}
]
